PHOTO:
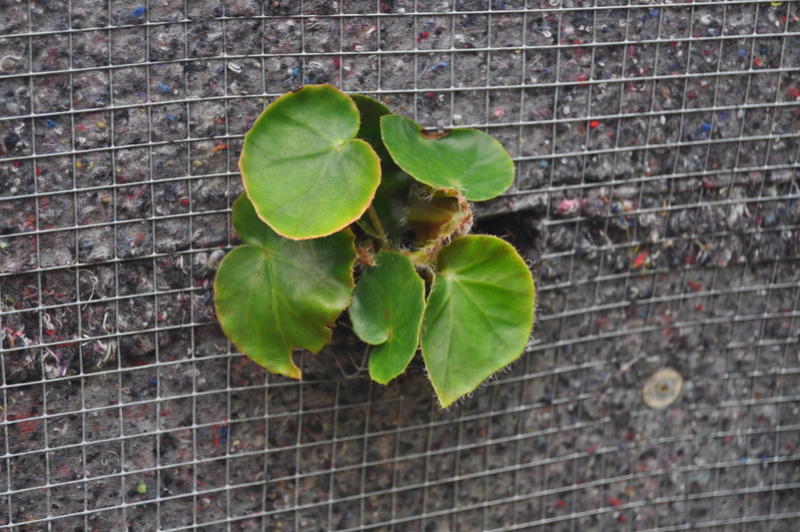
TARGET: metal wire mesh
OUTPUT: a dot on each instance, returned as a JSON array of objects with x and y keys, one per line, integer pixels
[{"x": 657, "y": 155}]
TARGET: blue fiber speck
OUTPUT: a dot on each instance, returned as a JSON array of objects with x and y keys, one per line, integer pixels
[{"x": 137, "y": 13}]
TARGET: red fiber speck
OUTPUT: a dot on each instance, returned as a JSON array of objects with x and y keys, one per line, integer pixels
[{"x": 639, "y": 260}]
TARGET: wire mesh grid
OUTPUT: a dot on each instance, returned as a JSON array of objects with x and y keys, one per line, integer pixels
[{"x": 657, "y": 152}]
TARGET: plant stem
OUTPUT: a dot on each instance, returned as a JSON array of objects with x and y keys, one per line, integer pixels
[{"x": 378, "y": 226}]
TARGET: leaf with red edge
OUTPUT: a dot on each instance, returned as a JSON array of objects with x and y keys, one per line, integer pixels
[
  {"x": 479, "y": 314},
  {"x": 303, "y": 167},
  {"x": 387, "y": 309},
  {"x": 467, "y": 160},
  {"x": 273, "y": 294}
]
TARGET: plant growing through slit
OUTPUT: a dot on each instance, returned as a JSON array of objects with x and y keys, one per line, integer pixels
[{"x": 339, "y": 189}]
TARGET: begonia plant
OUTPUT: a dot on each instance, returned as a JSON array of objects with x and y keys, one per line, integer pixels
[{"x": 348, "y": 206}]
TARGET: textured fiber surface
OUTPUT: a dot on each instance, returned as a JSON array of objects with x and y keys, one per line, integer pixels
[{"x": 656, "y": 198}]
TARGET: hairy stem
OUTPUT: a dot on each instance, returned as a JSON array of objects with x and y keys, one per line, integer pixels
[{"x": 378, "y": 226}]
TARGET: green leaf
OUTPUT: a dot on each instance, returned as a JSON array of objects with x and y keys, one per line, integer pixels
[
  {"x": 273, "y": 294},
  {"x": 387, "y": 309},
  {"x": 479, "y": 315},
  {"x": 467, "y": 160},
  {"x": 371, "y": 111},
  {"x": 303, "y": 169}
]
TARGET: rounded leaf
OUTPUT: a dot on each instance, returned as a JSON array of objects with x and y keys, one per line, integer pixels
[
  {"x": 387, "y": 309},
  {"x": 273, "y": 294},
  {"x": 303, "y": 169},
  {"x": 467, "y": 160},
  {"x": 479, "y": 314}
]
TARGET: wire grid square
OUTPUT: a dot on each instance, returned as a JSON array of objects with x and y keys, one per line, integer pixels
[{"x": 657, "y": 157}]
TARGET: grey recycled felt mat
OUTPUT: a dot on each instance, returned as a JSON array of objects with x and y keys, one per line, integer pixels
[{"x": 657, "y": 147}]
